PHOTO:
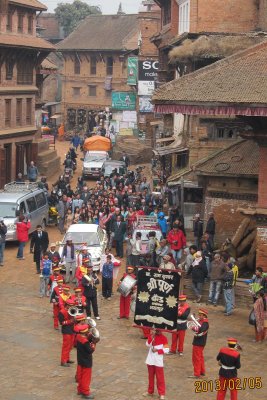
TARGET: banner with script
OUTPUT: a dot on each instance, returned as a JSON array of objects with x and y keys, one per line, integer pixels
[
  {"x": 132, "y": 70},
  {"x": 157, "y": 299}
]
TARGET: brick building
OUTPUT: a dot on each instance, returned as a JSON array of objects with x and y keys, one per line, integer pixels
[
  {"x": 21, "y": 52},
  {"x": 95, "y": 64},
  {"x": 234, "y": 86},
  {"x": 194, "y": 34}
]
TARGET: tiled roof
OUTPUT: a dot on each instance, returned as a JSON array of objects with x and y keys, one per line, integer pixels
[
  {"x": 47, "y": 64},
  {"x": 102, "y": 32},
  {"x": 27, "y": 41},
  {"x": 30, "y": 4},
  {"x": 240, "y": 78},
  {"x": 239, "y": 159}
]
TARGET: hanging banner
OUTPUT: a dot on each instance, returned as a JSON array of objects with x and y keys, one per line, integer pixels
[
  {"x": 132, "y": 71},
  {"x": 123, "y": 101},
  {"x": 156, "y": 300}
]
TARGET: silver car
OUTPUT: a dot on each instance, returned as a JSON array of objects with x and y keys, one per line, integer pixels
[
  {"x": 93, "y": 163},
  {"x": 91, "y": 235},
  {"x": 23, "y": 198}
]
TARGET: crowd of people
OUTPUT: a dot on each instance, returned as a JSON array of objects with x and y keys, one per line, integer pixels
[{"x": 115, "y": 203}]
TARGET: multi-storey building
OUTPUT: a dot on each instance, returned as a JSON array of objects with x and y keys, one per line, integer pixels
[
  {"x": 21, "y": 52},
  {"x": 95, "y": 64},
  {"x": 194, "y": 34}
]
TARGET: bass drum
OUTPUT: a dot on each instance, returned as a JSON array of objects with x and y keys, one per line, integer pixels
[{"x": 127, "y": 285}]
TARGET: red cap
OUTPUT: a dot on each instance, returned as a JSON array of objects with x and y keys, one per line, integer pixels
[
  {"x": 77, "y": 289},
  {"x": 56, "y": 268},
  {"x": 65, "y": 287},
  {"x": 232, "y": 341},
  {"x": 70, "y": 302},
  {"x": 203, "y": 311},
  {"x": 182, "y": 297},
  {"x": 60, "y": 280}
]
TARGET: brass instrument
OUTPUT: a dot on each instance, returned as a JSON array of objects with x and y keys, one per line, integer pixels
[
  {"x": 94, "y": 335},
  {"x": 193, "y": 325},
  {"x": 88, "y": 278},
  {"x": 74, "y": 311},
  {"x": 91, "y": 322}
]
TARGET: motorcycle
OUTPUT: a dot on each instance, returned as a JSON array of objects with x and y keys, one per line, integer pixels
[{"x": 52, "y": 216}]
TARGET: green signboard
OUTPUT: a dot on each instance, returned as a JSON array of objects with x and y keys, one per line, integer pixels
[
  {"x": 132, "y": 70},
  {"x": 123, "y": 101}
]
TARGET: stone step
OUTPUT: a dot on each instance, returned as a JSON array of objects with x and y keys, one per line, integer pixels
[
  {"x": 43, "y": 145},
  {"x": 46, "y": 155}
]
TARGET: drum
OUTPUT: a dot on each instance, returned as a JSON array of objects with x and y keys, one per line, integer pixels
[{"x": 127, "y": 285}]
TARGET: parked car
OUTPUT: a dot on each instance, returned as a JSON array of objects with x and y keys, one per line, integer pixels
[
  {"x": 144, "y": 225},
  {"x": 91, "y": 235},
  {"x": 110, "y": 165},
  {"x": 93, "y": 162},
  {"x": 23, "y": 198}
]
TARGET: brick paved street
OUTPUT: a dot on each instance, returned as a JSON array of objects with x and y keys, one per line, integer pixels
[{"x": 30, "y": 348}]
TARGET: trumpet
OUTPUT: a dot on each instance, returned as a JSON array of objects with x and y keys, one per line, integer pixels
[{"x": 193, "y": 325}]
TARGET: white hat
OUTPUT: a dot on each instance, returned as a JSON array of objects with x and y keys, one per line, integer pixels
[
  {"x": 53, "y": 245},
  {"x": 197, "y": 215},
  {"x": 84, "y": 248}
]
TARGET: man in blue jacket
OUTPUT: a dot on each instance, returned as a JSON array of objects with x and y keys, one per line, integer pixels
[{"x": 163, "y": 224}]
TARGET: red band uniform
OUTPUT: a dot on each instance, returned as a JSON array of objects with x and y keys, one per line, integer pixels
[
  {"x": 178, "y": 338},
  {"x": 125, "y": 301},
  {"x": 84, "y": 360},
  {"x": 58, "y": 290},
  {"x": 199, "y": 342},
  {"x": 66, "y": 322},
  {"x": 79, "y": 300},
  {"x": 229, "y": 359},
  {"x": 158, "y": 346},
  {"x": 64, "y": 296}
]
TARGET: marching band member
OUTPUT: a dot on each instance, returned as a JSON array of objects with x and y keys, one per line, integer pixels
[
  {"x": 125, "y": 301},
  {"x": 79, "y": 299},
  {"x": 85, "y": 349},
  {"x": 53, "y": 279},
  {"x": 90, "y": 291},
  {"x": 229, "y": 361},
  {"x": 57, "y": 291},
  {"x": 158, "y": 346},
  {"x": 199, "y": 342},
  {"x": 178, "y": 338},
  {"x": 66, "y": 322},
  {"x": 64, "y": 296},
  {"x": 81, "y": 270}
]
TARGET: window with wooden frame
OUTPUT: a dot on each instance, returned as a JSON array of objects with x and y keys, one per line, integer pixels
[
  {"x": 25, "y": 72},
  {"x": 166, "y": 12},
  {"x": 77, "y": 66},
  {"x": 30, "y": 24},
  {"x": 92, "y": 91},
  {"x": 19, "y": 112},
  {"x": 110, "y": 65},
  {"x": 9, "y": 70},
  {"x": 20, "y": 22},
  {"x": 9, "y": 21},
  {"x": 184, "y": 16},
  {"x": 93, "y": 63},
  {"x": 76, "y": 91},
  {"x": 7, "y": 113},
  {"x": 29, "y": 111}
]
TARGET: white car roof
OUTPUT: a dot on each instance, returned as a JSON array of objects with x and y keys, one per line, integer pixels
[{"x": 90, "y": 228}]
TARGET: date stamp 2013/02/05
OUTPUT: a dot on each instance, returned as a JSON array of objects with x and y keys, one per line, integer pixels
[{"x": 215, "y": 385}]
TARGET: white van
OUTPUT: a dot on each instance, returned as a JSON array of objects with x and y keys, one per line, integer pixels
[
  {"x": 23, "y": 198},
  {"x": 93, "y": 163}
]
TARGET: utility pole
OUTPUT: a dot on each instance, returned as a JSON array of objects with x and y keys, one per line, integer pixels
[{"x": 182, "y": 196}]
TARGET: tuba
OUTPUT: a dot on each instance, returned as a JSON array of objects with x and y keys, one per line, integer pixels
[
  {"x": 193, "y": 325},
  {"x": 73, "y": 311}
]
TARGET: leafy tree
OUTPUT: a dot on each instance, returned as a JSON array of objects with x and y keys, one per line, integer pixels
[{"x": 70, "y": 15}]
